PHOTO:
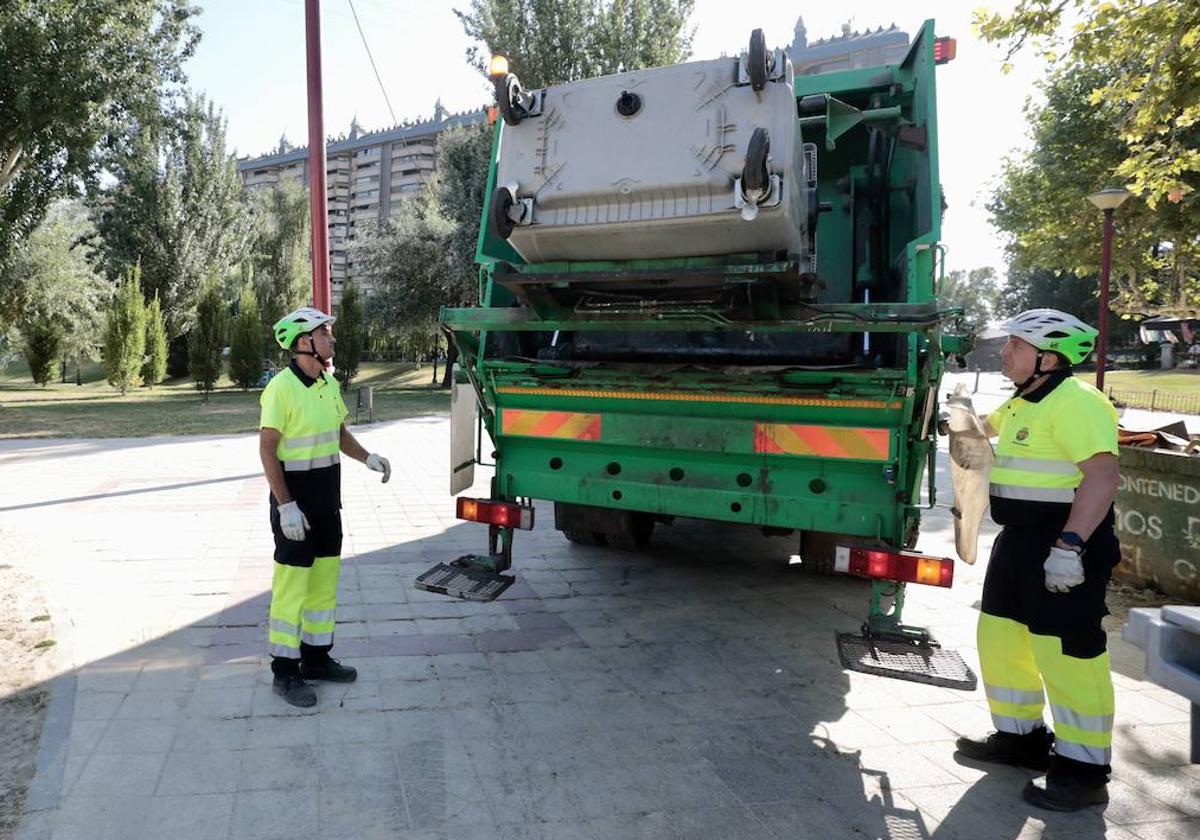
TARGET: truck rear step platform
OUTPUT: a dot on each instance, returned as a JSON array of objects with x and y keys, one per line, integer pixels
[
  {"x": 923, "y": 662},
  {"x": 463, "y": 581}
]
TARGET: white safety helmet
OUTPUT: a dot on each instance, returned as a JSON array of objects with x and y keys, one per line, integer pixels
[
  {"x": 1055, "y": 331},
  {"x": 301, "y": 322}
]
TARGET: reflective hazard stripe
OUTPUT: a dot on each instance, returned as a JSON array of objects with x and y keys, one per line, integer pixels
[
  {"x": 1038, "y": 465},
  {"x": 568, "y": 425},
  {"x": 1013, "y": 695},
  {"x": 1082, "y": 752},
  {"x": 305, "y": 464},
  {"x": 316, "y": 617},
  {"x": 1090, "y": 723},
  {"x": 1033, "y": 494},
  {"x": 286, "y": 651},
  {"x": 278, "y": 625},
  {"x": 312, "y": 440},
  {"x": 316, "y": 638},
  {"x": 1016, "y": 726},
  {"x": 823, "y": 441}
]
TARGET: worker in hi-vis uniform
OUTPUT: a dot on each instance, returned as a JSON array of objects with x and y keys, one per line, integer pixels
[
  {"x": 1052, "y": 488},
  {"x": 301, "y": 434}
]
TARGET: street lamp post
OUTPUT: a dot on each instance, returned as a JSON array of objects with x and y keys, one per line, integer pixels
[{"x": 1108, "y": 200}]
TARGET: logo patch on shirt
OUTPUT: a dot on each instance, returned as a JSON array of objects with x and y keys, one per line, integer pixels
[{"x": 1023, "y": 433}]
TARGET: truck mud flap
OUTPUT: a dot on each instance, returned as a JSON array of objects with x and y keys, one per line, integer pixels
[
  {"x": 923, "y": 662},
  {"x": 462, "y": 581}
]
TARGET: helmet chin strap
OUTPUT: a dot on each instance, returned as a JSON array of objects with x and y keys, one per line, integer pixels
[
  {"x": 312, "y": 343},
  {"x": 1037, "y": 371}
]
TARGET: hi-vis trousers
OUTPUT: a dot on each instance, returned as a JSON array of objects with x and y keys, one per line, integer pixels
[
  {"x": 304, "y": 592},
  {"x": 1036, "y": 644}
]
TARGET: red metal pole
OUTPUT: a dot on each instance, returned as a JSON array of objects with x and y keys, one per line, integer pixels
[
  {"x": 316, "y": 159},
  {"x": 1105, "y": 267}
]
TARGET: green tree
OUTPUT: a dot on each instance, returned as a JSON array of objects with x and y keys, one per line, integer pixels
[
  {"x": 155, "y": 369},
  {"x": 1149, "y": 55},
  {"x": 72, "y": 74},
  {"x": 409, "y": 265},
  {"x": 125, "y": 335},
  {"x": 207, "y": 338},
  {"x": 176, "y": 208},
  {"x": 51, "y": 279},
  {"x": 1040, "y": 204},
  {"x": 281, "y": 270},
  {"x": 552, "y": 41},
  {"x": 43, "y": 338},
  {"x": 246, "y": 342},
  {"x": 975, "y": 291},
  {"x": 351, "y": 334}
]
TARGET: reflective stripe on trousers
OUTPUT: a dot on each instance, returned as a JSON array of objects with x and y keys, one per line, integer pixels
[
  {"x": 1016, "y": 662},
  {"x": 303, "y": 606}
]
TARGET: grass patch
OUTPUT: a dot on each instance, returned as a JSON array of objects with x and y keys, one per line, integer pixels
[
  {"x": 96, "y": 410},
  {"x": 1163, "y": 381}
]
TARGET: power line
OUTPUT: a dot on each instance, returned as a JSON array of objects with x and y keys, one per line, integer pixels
[{"x": 372, "y": 59}]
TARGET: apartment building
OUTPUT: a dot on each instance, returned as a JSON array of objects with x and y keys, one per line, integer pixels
[
  {"x": 848, "y": 51},
  {"x": 366, "y": 173}
]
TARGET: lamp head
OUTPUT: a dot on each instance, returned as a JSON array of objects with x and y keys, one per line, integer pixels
[{"x": 1109, "y": 198}]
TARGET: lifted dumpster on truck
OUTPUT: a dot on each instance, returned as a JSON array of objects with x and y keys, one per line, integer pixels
[{"x": 711, "y": 291}]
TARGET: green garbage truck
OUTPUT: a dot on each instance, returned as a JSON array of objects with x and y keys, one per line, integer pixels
[{"x": 711, "y": 291}]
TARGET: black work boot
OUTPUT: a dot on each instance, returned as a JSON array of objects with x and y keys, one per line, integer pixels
[
  {"x": 1062, "y": 792},
  {"x": 294, "y": 690},
  {"x": 1031, "y": 750},
  {"x": 1069, "y": 785},
  {"x": 327, "y": 669}
]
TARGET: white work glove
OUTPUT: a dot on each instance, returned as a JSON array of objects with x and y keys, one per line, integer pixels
[
  {"x": 293, "y": 522},
  {"x": 1064, "y": 569},
  {"x": 379, "y": 464}
]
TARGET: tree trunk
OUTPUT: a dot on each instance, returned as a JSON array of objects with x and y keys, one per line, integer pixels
[
  {"x": 78, "y": 374},
  {"x": 451, "y": 358}
]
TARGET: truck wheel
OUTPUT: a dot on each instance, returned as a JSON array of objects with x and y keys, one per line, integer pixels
[
  {"x": 508, "y": 97},
  {"x": 755, "y": 176},
  {"x": 817, "y": 550},
  {"x": 581, "y": 537},
  {"x": 756, "y": 60}
]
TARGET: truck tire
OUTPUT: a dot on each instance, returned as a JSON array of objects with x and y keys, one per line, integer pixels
[
  {"x": 817, "y": 550},
  {"x": 756, "y": 60},
  {"x": 581, "y": 537},
  {"x": 502, "y": 202}
]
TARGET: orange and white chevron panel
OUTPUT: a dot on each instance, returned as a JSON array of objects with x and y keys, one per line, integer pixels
[
  {"x": 567, "y": 425},
  {"x": 822, "y": 441}
]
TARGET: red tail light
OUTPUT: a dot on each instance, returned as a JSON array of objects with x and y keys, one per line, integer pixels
[
  {"x": 894, "y": 565},
  {"x": 944, "y": 49},
  {"x": 504, "y": 514}
]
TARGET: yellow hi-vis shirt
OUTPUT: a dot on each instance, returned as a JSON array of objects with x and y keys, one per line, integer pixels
[
  {"x": 1042, "y": 436},
  {"x": 308, "y": 414}
]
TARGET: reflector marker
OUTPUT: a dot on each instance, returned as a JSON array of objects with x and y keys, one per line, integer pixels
[
  {"x": 567, "y": 425},
  {"x": 822, "y": 441},
  {"x": 681, "y": 396}
]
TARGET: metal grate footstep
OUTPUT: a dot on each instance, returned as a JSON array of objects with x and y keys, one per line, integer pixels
[
  {"x": 921, "y": 663},
  {"x": 468, "y": 584}
]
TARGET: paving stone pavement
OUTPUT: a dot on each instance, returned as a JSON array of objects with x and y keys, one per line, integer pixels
[{"x": 691, "y": 690}]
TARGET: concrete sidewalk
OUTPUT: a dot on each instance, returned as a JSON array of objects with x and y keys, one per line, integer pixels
[{"x": 688, "y": 691}]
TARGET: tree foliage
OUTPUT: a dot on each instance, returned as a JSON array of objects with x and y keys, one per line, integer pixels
[
  {"x": 1149, "y": 53},
  {"x": 408, "y": 263},
  {"x": 1041, "y": 205},
  {"x": 246, "y": 342},
  {"x": 176, "y": 209},
  {"x": 125, "y": 335},
  {"x": 282, "y": 272},
  {"x": 72, "y": 74},
  {"x": 51, "y": 280},
  {"x": 552, "y": 41},
  {"x": 155, "y": 368},
  {"x": 351, "y": 334},
  {"x": 975, "y": 291},
  {"x": 43, "y": 338},
  {"x": 206, "y": 341}
]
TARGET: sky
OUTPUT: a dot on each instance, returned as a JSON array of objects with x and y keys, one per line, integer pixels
[{"x": 250, "y": 63}]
